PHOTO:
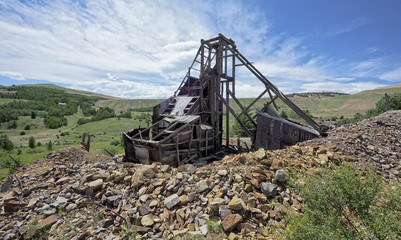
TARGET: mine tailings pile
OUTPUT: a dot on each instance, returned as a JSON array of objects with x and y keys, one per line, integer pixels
[
  {"x": 75, "y": 194},
  {"x": 188, "y": 127}
]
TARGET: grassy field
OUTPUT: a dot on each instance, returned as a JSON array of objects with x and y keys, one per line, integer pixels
[
  {"x": 103, "y": 133},
  {"x": 124, "y": 105}
]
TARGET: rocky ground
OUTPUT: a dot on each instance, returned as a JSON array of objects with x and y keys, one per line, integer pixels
[
  {"x": 375, "y": 140},
  {"x": 73, "y": 194}
]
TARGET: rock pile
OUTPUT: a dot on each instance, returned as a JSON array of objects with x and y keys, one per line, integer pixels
[
  {"x": 76, "y": 195},
  {"x": 376, "y": 140},
  {"x": 73, "y": 194}
]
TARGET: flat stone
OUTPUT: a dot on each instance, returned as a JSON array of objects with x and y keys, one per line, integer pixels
[
  {"x": 214, "y": 206},
  {"x": 179, "y": 233},
  {"x": 32, "y": 202},
  {"x": 222, "y": 172},
  {"x": 144, "y": 209},
  {"x": 165, "y": 168},
  {"x": 96, "y": 185},
  {"x": 142, "y": 175},
  {"x": 48, "y": 222},
  {"x": 267, "y": 162},
  {"x": 49, "y": 212},
  {"x": 13, "y": 205},
  {"x": 232, "y": 236},
  {"x": 224, "y": 211},
  {"x": 62, "y": 180},
  {"x": 139, "y": 229},
  {"x": 172, "y": 201},
  {"x": 191, "y": 196},
  {"x": 147, "y": 221},
  {"x": 201, "y": 186},
  {"x": 71, "y": 206},
  {"x": 231, "y": 221},
  {"x": 107, "y": 223},
  {"x": 277, "y": 164},
  {"x": 236, "y": 204},
  {"x": 153, "y": 203},
  {"x": 60, "y": 202},
  {"x": 143, "y": 198},
  {"x": 77, "y": 187},
  {"x": 184, "y": 199},
  {"x": 260, "y": 154},
  {"x": 203, "y": 229}
]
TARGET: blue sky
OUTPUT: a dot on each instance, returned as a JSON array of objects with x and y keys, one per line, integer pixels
[{"x": 142, "y": 49}]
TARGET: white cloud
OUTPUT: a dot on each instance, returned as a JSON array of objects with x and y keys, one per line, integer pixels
[
  {"x": 12, "y": 75},
  {"x": 331, "y": 86},
  {"x": 367, "y": 68},
  {"x": 351, "y": 26},
  {"x": 392, "y": 76},
  {"x": 142, "y": 49}
]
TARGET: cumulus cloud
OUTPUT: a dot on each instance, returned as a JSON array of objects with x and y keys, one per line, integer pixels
[{"x": 142, "y": 49}]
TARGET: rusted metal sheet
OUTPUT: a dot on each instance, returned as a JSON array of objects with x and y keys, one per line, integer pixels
[{"x": 276, "y": 133}]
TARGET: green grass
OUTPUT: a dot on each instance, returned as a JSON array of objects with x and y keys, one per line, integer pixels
[
  {"x": 103, "y": 133},
  {"x": 125, "y": 104}
]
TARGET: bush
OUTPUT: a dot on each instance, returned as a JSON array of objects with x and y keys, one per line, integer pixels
[
  {"x": 126, "y": 114},
  {"x": 82, "y": 121},
  {"x": 55, "y": 122},
  {"x": 22, "y": 133},
  {"x": 283, "y": 114},
  {"x": 238, "y": 128},
  {"x": 344, "y": 203},
  {"x": 31, "y": 142},
  {"x": 5, "y": 143},
  {"x": 115, "y": 142},
  {"x": 27, "y": 127},
  {"x": 49, "y": 145},
  {"x": 12, "y": 125}
]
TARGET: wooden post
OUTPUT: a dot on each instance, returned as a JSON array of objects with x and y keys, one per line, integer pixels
[
  {"x": 239, "y": 144},
  {"x": 88, "y": 144},
  {"x": 178, "y": 151},
  {"x": 387, "y": 102}
]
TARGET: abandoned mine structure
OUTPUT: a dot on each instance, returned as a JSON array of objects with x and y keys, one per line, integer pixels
[{"x": 188, "y": 127}]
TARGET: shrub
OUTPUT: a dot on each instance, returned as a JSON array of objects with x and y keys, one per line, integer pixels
[
  {"x": 82, "y": 121},
  {"x": 31, "y": 142},
  {"x": 344, "y": 203},
  {"x": 115, "y": 142},
  {"x": 238, "y": 128},
  {"x": 49, "y": 145},
  {"x": 27, "y": 127},
  {"x": 55, "y": 122},
  {"x": 22, "y": 133},
  {"x": 5, "y": 143},
  {"x": 12, "y": 125}
]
